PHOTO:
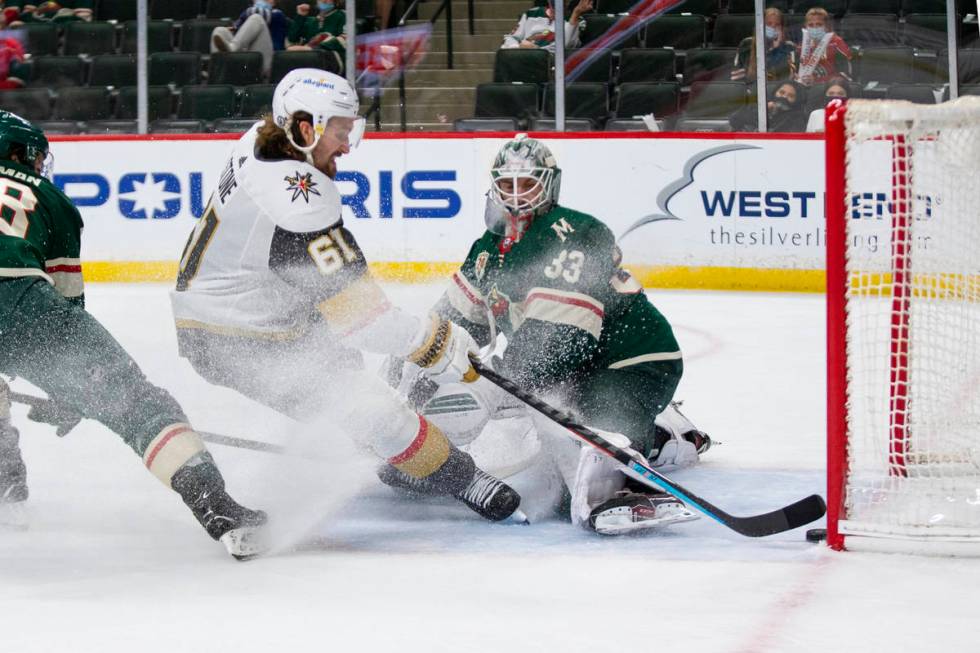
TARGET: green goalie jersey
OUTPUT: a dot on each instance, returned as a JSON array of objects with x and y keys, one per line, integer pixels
[
  {"x": 40, "y": 231},
  {"x": 561, "y": 299}
]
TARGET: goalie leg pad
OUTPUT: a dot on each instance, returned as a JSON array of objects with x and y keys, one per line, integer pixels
[{"x": 677, "y": 442}]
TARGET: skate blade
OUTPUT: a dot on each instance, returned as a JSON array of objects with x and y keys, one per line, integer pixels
[
  {"x": 518, "y": 517},
  {"x": 246, "y": 543},
  {"x": 621, "y": 525},
  {"x": 13, "y": 516}
]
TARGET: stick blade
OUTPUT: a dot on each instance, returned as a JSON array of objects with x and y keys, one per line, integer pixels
[{"x": 800, "y": 513}]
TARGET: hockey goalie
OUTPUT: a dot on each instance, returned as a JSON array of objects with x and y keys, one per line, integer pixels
[{"x": 574, "y": 328}]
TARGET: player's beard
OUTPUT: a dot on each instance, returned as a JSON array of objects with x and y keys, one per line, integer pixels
[{"x": 330, "y": 169}]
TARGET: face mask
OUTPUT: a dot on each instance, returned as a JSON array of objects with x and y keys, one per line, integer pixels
[
  {"x": 324, "y": 6},
  {"x": 771, "y": 33},
  {"x": 781, "y": 104},
  {"x": 262, "y": 4},
  {"x": 816, "y": 32}
]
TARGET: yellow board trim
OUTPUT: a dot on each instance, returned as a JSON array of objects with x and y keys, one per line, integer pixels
[{"x": 650, "y": 276}]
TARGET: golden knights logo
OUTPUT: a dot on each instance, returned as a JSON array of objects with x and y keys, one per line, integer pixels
[{"x": 301, "y": 184}]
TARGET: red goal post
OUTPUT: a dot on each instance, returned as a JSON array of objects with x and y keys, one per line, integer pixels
[{"x": 903, "y": 326}]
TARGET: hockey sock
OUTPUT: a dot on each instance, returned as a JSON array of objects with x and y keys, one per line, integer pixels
[
  {"x": 172, "y": 448},
  {"x": 432, "y": 457}
]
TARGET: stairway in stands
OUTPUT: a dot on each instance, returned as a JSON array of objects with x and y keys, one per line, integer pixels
[{"x": 436, "y": 95}]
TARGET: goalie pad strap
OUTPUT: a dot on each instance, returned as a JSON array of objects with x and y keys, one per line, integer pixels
[
  {"x": 426, "y": 454},
  {"x": 170, "y": 450}
]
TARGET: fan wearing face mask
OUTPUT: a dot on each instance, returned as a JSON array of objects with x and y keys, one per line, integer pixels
[
  {"x": 321, "y": 26},
  {"x": 836, "y": 89},
  {"x": 784, "y": 111},
  {"x": 780, "y": 52},
  {"x": 260, "y": 28},
  {"x": 823, "y": 54}
]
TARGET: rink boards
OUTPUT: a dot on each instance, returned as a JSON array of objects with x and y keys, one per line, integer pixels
[{"x": 714, "y": 211}]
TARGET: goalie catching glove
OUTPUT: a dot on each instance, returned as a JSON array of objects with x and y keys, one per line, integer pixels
[{"x": 443, "y": 353}]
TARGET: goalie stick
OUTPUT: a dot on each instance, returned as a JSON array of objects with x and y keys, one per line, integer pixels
[{"x": 787, "y": 518}]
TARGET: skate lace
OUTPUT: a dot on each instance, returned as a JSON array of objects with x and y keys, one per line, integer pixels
[{"x": 481, "y": 489}]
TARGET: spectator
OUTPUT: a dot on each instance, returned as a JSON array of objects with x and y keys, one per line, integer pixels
[
  {"x": 784, "y": 111},
  {"x": 836, "y": 88},
  {"x": 821, "y": 51},
  {"x": 261, "y": 28},
  {"x": 325, "y": 30},
  {"x": 11, "y": 53},
  {"x": 54, "y": 12},
  {"x": 536, "y": 28},
  {"x": 780, "y": 51},
  {"x": 383, "y": 9}
]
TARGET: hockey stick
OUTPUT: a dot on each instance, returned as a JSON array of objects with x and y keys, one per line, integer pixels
[
  {"x": 209, "y": 437},
  {"x": 792, "y": 516}
]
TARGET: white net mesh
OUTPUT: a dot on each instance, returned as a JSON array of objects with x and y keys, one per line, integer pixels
[{"x": 913, "y": 319}]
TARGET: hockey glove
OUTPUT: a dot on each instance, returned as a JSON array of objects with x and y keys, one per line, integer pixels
[
  {"x": 47, "y": 411},
  {"x": 444, "y": 353}
]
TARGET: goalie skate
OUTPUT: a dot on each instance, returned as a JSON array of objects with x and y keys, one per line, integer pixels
[{"x": 631, "y": 512}]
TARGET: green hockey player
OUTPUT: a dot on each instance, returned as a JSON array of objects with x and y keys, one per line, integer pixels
[
  {"x": 50, "y": 340},
  {"x": 580, "y": 330}
]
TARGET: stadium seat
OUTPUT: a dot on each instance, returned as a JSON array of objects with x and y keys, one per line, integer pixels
[
  {"x": 678, "y": 32},
  {"x": 174, "y": 9},
  {"x": 57, "y": 71},
  {"x": 833, "y": 7},
  {"x": 631, "y": 125},
  {"x": 256, "y": 100},
  {"x": 641, "y": 98},
  {"x": 113, "y": 70},
  {"x": 599, "y": 70},
  {"x": 715, "y": 100},
  {"x": 495, "y": 100},
  {"x": 703, "y": 125},
  {"x": 925, "y": 32},
  {"x": 195, "y": 35},
  {"x": 700, "y": 7},
  {"x": 226, "y": 8},
  {"x": 598, "y": 24},
  {"x": 748, "y": 6},
  {"x": 647, "y": 65},
  {"x": 531, "y": 66},
  {"x": 886, "y": 65},
  {"x": 589, "y": 100},
  {"x": 923, "y": 7},
  {"x": 232, "y": 125},
  {"x": 159, "y": 36},
  {"x": 31, "y": 103},
  {"x": 40, "y": 38},
  {"x": 966, "y": 89},
  {"x": 177, "y": 68},
  {"x": 58, "y": 127},
  {"x": 118, "y": 10},
  {"x": 485, "y": 125},
  {"x": 731, "y": 29},
  {"x": 90, "y": 38},
  {"x": 82, "y": 104},
  {"x": 236, "y": 68},
  {"x": 177, "y": 127},
  {"x": 288, "y": 7},
  {"x": 614, "y": 6},
  {"x": 708, "y": 64},
  {"x": 571, "y": 125},
  {"x": 872, "y": 6},
  {"x": 284, "y": 61},
  {"x": 870, "y": 30},
  {"x": 968, "y": 61},
  {"x": 210, "y": 102},
  {"x": 105, "y": 127},
  {"x": 918, "y": 93},
  {"x": 158, "y": 103}
]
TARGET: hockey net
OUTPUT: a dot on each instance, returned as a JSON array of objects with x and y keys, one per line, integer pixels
[{"x": 903, "y": 274}]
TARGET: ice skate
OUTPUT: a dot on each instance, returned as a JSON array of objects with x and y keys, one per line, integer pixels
[
  {"x": 238, "y": 528},
  {"x": 632, "y": 512},
  {"x": 13, "y": 472}
]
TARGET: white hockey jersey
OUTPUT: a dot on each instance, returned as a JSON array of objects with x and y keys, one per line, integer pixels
[{"x": 270, "y": 256}]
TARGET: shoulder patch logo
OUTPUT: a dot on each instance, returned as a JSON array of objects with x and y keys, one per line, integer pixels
[
  {"x": 480, "y": 267},
  {"x": 562, "y": 229},
  {"x": 301, "y": 184}
]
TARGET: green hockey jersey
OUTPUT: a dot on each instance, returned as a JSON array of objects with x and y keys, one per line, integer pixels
[
  {"x": 562, "y": 300},
  {"x": 40, "y": 231}
]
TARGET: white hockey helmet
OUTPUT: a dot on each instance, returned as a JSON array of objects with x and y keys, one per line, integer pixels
[
  {"x": 519, "y": 158},
  {"x": 321, "y": 94}
]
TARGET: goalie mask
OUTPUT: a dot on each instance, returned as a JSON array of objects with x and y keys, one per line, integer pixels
[
  {"x": 525, "y": 181},
  {"x": 321, "y": 94}
]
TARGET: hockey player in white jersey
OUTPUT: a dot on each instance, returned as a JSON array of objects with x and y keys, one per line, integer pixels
[{"x": 275, "y": 300}]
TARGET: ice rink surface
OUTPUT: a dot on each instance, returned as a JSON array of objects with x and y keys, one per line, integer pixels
[{"x": 114, "y": 563}]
